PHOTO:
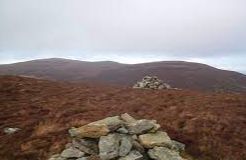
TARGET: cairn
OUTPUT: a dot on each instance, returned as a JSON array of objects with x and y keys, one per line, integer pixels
[
  {"x": 120, "y": 138},
  {"x": 149, "y": 82}
]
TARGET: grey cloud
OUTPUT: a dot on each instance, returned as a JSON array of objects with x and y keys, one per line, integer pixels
[{"x": 181, "y": 28}]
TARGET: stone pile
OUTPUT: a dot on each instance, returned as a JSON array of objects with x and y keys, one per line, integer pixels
[
  {"x": 120, "y": 138},
  {"x": 149, "y": 82}
]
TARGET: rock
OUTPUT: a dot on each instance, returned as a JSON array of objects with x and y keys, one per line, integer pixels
[
  {"x": 162, "y": 153},
  {"x": 156, "y": 126},
  {"x": 159, "y": 138},
  {"x": 178, "y": 146},
  {"x": 9, "y": 130},
  {"x": 73, "y": 132},
  {"x": 122, "y": 130},
  {"x": 137, "y": 146},
  {"x": 125, "y": 145},
  {"x": 92, "y": 131},
  {"x": 151, "y": 83},
  {"x": 94, "y": 157},
  {"x": 98, "y": 128},
  {"x": 68, "y": 145},
  {"x": 113, "y": 123},
  {"x": 87, "y": 145},
  {"x": 127, "y": 118},
  {"x": 133, "y": 155},
  {"x": 140, "y": 126},
  {"x": 121, "y": 138},
  {"x": 72, "y": 153},
  {"x": 56, "y": 157},
  {"x": 109, "y": 146},
  {"x": 82, "y": 158}
]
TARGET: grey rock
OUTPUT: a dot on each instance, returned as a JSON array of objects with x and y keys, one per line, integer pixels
[
  {"x": 72, "y": 153},
  {"x": 162, "y": 153},
  {"x": 87, "y": 145},
  {"x": 127, "y": 118},
  {"x": 140, "y": 126},
  {"x": 122, "y": 130},
  {"x": 137, "y": 146},
  {"x": 159, "y": 138},
  {"x": 125, "y": 145},
  {"x": 68, "y": 145},
  {"x": 133, "y": 155},
  {"x": 56, "y": 157},
  {"x": 82, "y": 158},
  {"x": 73, "y": 132},
  {"x": 178, "y": 146},
  {"x": 113, "y": 123},
  {"x": 9, "y": 130},
  {"x": 109, "y": 146}
]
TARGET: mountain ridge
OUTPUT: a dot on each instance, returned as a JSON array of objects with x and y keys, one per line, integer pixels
[{"x": 180, "y": 74}]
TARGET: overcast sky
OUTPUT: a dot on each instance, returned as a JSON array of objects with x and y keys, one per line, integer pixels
[{"x": 128, "y": 31}]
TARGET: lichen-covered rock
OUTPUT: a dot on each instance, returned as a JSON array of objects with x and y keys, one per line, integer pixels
[
  {"x": 82, "y": 158},
  {"x": 109, "y": 146},
  {"x": 133, "y": 155},
  {"x": 178, "y": 146},
  {"x": 125, "y": 145},
  {"x": 72, "y": 153},
  {"x": 159, "y": 138},
  {"x": 56, "y": 157},
  {"x": 122, "y": 130},
  {"x": 87, "y": 145},
  {"x": 112, "y": 123},
  {"x": 163, "y": 153},
  {"x": 140, "y": 126},
  {"x": 137, "y": 146},
  {"x": 127, "y": 118},
  {"x": 92, "y": 131}
]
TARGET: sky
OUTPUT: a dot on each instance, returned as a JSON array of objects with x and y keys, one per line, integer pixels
[{"x": 127, "y": 31}]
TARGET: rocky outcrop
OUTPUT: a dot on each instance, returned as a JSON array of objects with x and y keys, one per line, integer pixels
[
  {"x": 123, "y": 138},
  {"x": 149, "y": 82}
]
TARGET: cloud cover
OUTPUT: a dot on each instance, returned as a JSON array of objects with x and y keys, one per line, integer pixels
[{"x": 163, "y": 29}]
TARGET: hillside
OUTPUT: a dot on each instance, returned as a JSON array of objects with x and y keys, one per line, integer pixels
[
  {"x": 178, "y": 74},
  {"x": 212, "y": 125}
]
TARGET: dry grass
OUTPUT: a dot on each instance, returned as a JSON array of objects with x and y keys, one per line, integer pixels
[
  {"x": 211, "y": 125},
  {"x": 47, "y": 127}
]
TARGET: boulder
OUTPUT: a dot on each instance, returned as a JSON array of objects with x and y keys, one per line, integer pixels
[
  {"x": 87, "y": 145},
  {"x": 133, "y": 155},
  {"x": 92, "y": 131},
  {"x": 113, "y": 123},
  {"x": 122, "y": 130},
  {"x": 109, "y": 146},
  {"x": 127, "y": 118},
  {"x": 163, "y": 153},
  {"x": 180, "y": 147},
  {"x": 125, "y": 145},
  {"x": 159, "y": 138},
  {"x": 140, "y": 126},
  {"x": 72, "y": 153}
]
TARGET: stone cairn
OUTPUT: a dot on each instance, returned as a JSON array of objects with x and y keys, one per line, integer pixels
[
  {"x": 120, "y": 138},
  {"x": 149, "y": 82}
]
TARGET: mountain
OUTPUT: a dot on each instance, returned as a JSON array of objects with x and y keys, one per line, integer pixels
[
  {"x": 212, "y": 125},
  {"x": 179, "y": 74}
]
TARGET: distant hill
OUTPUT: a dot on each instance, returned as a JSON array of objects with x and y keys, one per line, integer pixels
[{"x": 178, "y": 74}]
